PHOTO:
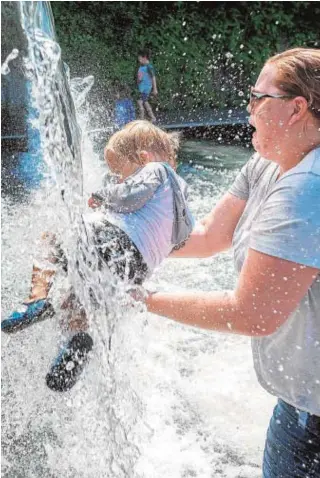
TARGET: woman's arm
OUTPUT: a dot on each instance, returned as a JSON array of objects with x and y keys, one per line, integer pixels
[
  {"x": 268, "y": 291},
  {"x": 214, "y": 233}
]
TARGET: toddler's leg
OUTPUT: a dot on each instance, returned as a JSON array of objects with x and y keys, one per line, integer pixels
[
  {"x": 149, "y": 111},
  {"x": 123, "y": 259},
  {"x": 45, "y": 267},
  {"x": 37, "y": 307},
  {"x": 141, "y": 109},
  {"x": 73, "y": 356},
  {"x": 77, "y": 319}
]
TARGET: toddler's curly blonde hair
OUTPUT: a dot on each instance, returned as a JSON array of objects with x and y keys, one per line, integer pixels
[{"x": 140, "y": 136}]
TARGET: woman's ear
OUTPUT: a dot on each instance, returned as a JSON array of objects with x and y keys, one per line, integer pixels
[{"x": 300, "y": 107}]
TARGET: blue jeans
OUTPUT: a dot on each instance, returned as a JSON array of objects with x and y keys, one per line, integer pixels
[{"x": 292, "y": 448}]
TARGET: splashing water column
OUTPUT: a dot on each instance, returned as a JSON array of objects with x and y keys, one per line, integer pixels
[
  {"x": 93, "y": 417},
  {"x": 31, "y": 167},
  {"x": 20, "y": 129},
  {"x": 40, "y": 128}
]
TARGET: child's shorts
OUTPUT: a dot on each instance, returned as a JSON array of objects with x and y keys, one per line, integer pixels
[
  {"x": 144, "y": 97},
  {"x": 121, "y": 255},
  {"x": 116, "y": 251}
]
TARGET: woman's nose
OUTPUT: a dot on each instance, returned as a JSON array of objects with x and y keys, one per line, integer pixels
[{"x": 249, "y": 108}]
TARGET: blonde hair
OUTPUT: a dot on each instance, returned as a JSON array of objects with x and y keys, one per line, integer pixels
[
  {"x": 299, "y": 75},
  {"x": 140, "y": 136}
]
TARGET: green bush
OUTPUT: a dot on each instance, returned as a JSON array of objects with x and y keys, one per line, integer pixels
[{"x": 206, "y": 54}]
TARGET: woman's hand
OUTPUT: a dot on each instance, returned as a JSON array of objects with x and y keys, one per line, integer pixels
[{"x": 139, "y": 294}]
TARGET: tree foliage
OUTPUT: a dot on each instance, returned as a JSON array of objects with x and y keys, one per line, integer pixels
[{"x": 205, "y": 53}]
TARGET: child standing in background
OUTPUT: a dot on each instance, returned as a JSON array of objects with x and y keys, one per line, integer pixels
[{"x": 146, "y": 84}]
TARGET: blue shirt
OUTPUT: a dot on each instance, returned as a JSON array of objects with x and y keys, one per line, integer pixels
[
  {"x": 145, "y": 75},
  {"x": 124, "y": 112}
]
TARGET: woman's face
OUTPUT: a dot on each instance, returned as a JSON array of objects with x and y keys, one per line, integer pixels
[{"x": 270, "y": 116}]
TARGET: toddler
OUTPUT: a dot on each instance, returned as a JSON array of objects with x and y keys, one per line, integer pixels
[{"x": 134, "y": 226}]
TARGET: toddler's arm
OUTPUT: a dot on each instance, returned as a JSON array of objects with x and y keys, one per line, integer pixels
[{"x": 133, "y": 193}]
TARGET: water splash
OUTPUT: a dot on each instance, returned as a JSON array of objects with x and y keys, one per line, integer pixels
[
  {"x": 59, "y": 131},
  {"x": 5, "y": 70},
  {"x": 96, "y": 408}
]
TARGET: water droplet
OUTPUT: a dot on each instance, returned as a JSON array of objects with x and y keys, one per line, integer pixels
[
  {"x": 70, "y": 366},
  {"x": 5, "y": 66}
]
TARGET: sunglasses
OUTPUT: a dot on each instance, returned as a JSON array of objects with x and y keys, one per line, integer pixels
[{"x": 255, "y": 96}]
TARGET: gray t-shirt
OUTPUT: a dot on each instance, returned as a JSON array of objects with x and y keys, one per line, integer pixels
[{"x": 282, "y": 219}]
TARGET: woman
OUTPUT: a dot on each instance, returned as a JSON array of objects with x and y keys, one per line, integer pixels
[{"x": 271, "y": 218}]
